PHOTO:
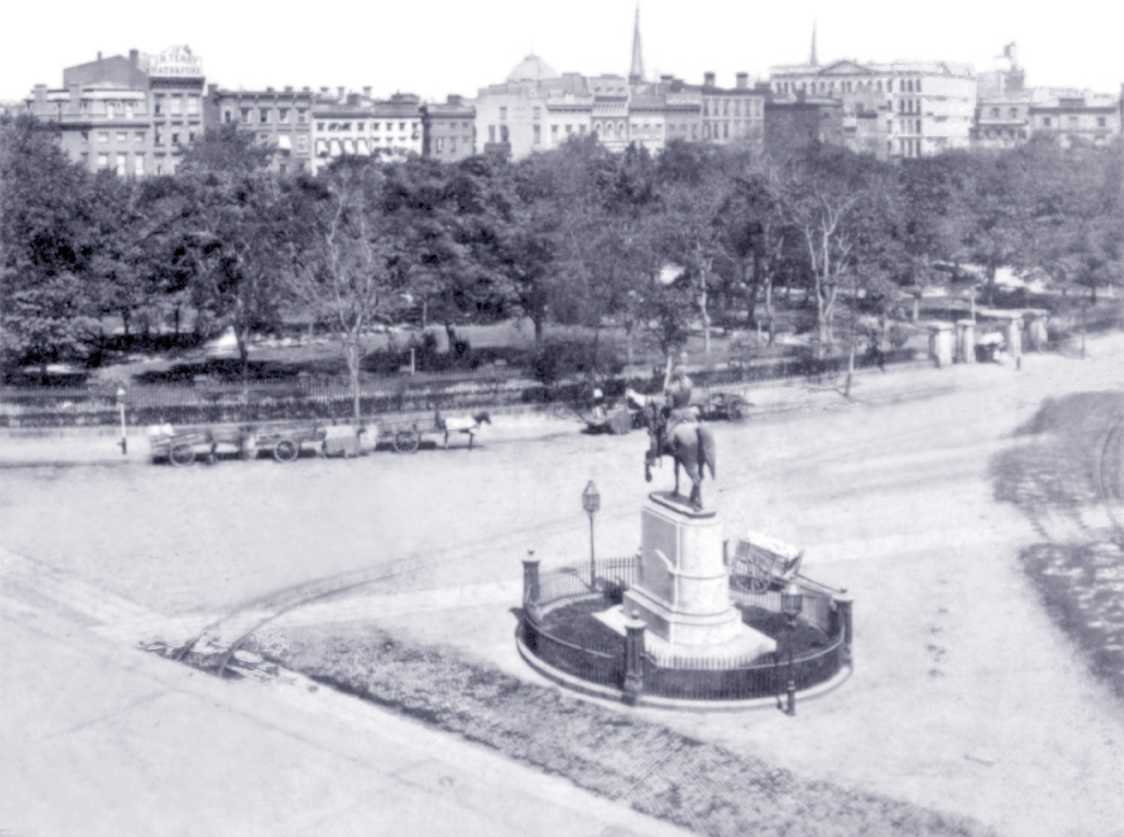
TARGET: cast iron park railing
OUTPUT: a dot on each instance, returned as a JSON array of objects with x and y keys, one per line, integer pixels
[
  {"x": 214, "y": 402},
  {"x": 557, "y": 615}
]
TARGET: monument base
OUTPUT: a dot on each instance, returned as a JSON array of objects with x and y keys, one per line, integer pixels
[{"x": 744, "y": 644}]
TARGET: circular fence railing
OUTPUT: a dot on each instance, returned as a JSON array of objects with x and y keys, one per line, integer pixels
[{"x": 558, "y": 628}]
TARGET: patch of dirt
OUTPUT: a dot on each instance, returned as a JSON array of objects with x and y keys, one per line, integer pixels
[{"x": 650, "y": 767}]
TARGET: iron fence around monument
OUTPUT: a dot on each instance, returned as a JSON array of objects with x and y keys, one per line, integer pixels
[{"x": 600, "y": 656}]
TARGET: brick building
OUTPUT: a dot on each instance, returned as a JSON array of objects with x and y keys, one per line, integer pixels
[{"x": 134, "y": 114}]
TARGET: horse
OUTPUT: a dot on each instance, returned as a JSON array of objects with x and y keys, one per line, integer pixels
[
  {"x": 690, "y": 444},
  {"x": 462, "y": 424}
]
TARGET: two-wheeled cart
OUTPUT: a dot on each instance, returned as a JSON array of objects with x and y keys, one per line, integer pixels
[{"x": 761, "y": 563}]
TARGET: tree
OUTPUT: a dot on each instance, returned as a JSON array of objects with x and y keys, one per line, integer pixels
[
  {"x": 350, "y": 264},
  {"x": 235, "y": 231},
  {"x": 47, "y": 306},
  {"x": 836, "y": 201}
]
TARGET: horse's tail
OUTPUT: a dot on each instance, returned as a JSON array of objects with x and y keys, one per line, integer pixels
[{"x": 706, "y": 450}]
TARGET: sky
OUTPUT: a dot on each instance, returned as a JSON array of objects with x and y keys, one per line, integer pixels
[{"x": 437, "y": 47}]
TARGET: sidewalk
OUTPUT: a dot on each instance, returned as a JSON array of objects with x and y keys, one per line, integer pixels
[{"x": 99, "y": 739}]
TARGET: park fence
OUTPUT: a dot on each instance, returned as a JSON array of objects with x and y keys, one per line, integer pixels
[
  {"x": 558, "y": 610},
  {"x": 231, "y": 403}
]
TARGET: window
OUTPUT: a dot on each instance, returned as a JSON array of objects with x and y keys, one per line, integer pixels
[
  {"x": 263, "y": 115},
  {"x": 320, "y": 126},
  {"x": 1046, "y": 121},
  {"x": 191, "y": 136},
  {"x": 1013, "y": 113},
  {"x": 569, "y": 130},
  {"x": 193, "y": 105},
  {"x": 581, "y": 130},
  {"x": 103, "y": 161},
  {"x": 390, "y": 126},
  {"x": 103, "y": 136},
  {"x": 536, "y": 113},
  {"x": 1101, "y": 122},
  {"x": 226, "y": 115},
  {"x": 538, "y": 134},
  {"x": 554, "y": 132},
  {"x": 138, "y": 165},
  {"x": 245, "y": 114},
  {"x": 302, "y": 143},
  {"x": 302, "y": 116},
  {"x": 995, "y": 113},
  {"x": 175, "y": 138},
  {"x": 402, "y": 127},
  {"x": 138, "y": 137},
  {"x": 176, "y": 105},
  {"x": 122, "y": 164},
  {"x": 452, "y": 145},
  {"x": 360, "y": 126},
  {"x": 491, "y": 133},
  {"x": 158, "y": 137},
  {"x": 1072, "y": 121},
  {"x": 503, "y": 133},
  {"x": 122, "y": 137},
  {"x": 503, "y": 113},
  {"x": 439, "y": 145},
  {"x": 128, "y": 110},
  {"x": 109, "y": 109}
]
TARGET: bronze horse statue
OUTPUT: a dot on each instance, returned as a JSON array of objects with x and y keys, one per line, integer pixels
[{"x": 690, "y": 444}]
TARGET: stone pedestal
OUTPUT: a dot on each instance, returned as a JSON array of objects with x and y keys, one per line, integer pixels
[
  {"x": 682, "y": 594},
  {"x": 965, "y": 341}
]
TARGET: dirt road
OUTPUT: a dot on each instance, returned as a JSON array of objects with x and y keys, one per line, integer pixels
[{"x": 965, "y": 696}]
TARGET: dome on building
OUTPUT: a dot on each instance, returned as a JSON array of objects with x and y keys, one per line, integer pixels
[{"x": 531, "y": 68}]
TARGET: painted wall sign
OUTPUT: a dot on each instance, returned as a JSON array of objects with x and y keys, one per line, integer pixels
[{"x": 175, "y": 61}]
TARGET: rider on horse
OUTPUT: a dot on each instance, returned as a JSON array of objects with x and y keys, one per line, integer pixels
[{"x": 678, "y": 409}]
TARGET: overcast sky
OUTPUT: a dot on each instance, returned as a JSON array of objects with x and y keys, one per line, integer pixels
[{"x": 438, "y": 47}]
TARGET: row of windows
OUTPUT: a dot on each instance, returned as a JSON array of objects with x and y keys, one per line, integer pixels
[
  {"x": 908, "y": 106},
  {"x": 322, "y": 127},
  {"x": 174, "y": 105},
  {"x": 452, "y": 126},
  {"x": 265, "y": 115},
  {"x": 120, "y": 164},
  {"x": 139, "y": 137},
  {"x": 439, "y": 145},
  {"x": 753, "y": 107},
  {"x": 905, "y": 85},
  {"x": 336, "y": 148},
  {"x": 1072, "y": 122}
]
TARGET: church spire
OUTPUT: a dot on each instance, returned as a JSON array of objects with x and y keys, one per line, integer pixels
[
  {"x": 636, "y": 71},
  {"x": 815, "y": 61}
]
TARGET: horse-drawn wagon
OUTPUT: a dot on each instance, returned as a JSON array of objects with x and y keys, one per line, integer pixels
[
  {"x": 406, "y": 436},
  {"x": 184, "y": 446}
]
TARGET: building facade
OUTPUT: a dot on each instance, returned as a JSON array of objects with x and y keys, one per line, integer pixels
[
  {"x": 133, "y": 115},
  {"x": 928, "y": 106},
  {"x": 281, "y": 120},
  {"x": 449, "y": 130},
  {"x": 354, "y": 124}
]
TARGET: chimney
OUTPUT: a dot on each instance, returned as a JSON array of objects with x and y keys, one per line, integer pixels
[
  {"x": 342, "y": 90},
  {"x": 367, "y": 91},
  {"x": 134, "y": 57},
  {"x": 99, "y": 55},
  {"x": 212, "y": 89},
  {"x": 289, "y": 88},
  {"x": 325, "y": 89},
  {"x": 743, "y": 80},
  {"x": 708, "y": 79},
  {"x": 453, "y": 99},
  {"x": 306, "y": 89},
  {"x": 667, "y": 79},
  {"x": 269, "y": 90}
]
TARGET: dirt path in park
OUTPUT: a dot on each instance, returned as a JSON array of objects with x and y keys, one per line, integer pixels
[{"x": 964, "y": 696}]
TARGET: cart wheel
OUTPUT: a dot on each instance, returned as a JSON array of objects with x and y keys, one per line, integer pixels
[
  {"x": 407, "y": 441},
  {"x": 760, "y": 576},
  {"x": 181, "y": 454},
  {"x": 740, "y": 573},
  {"x": 738, "y": 411},
  {"x": 286, "y": 450}
]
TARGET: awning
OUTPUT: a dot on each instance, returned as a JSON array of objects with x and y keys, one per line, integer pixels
[
  {"x": 348, "y": 146},
  {"x": 284, "y": 142},
  {"x": 335, "y": 148},
  {"x": 321, "y": 148}
]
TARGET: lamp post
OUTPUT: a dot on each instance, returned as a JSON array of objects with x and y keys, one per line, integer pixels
[
  {"x": 121, "y": 410},
  {"x": 591, "y": 502},
  {"x": 792, "y": 602}
]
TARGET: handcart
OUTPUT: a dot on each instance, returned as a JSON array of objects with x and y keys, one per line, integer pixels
[{"x": 761, "y": 563}]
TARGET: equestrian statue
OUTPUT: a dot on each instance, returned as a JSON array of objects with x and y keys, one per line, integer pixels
[{"x": 674, "y": 429}]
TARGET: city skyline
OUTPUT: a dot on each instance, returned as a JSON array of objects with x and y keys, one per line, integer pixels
[{"x": 444, "y": 48}]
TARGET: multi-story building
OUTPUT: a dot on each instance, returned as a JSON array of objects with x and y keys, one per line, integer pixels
[
  {"x": 133, "y": 115},
  {"x": 281, "y": 120},
  {"x": 449, "y": 130},
  {"x": 353, "y": 124},
  {"x": 929, "y": 106},
  {"x": 1075, "y": 116}
]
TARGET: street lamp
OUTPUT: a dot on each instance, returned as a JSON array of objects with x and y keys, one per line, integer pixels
[
  {"x": 121, "y": 409},
  {"x": 591, "y": 502},
  {"x": 792, "y": 602}
]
